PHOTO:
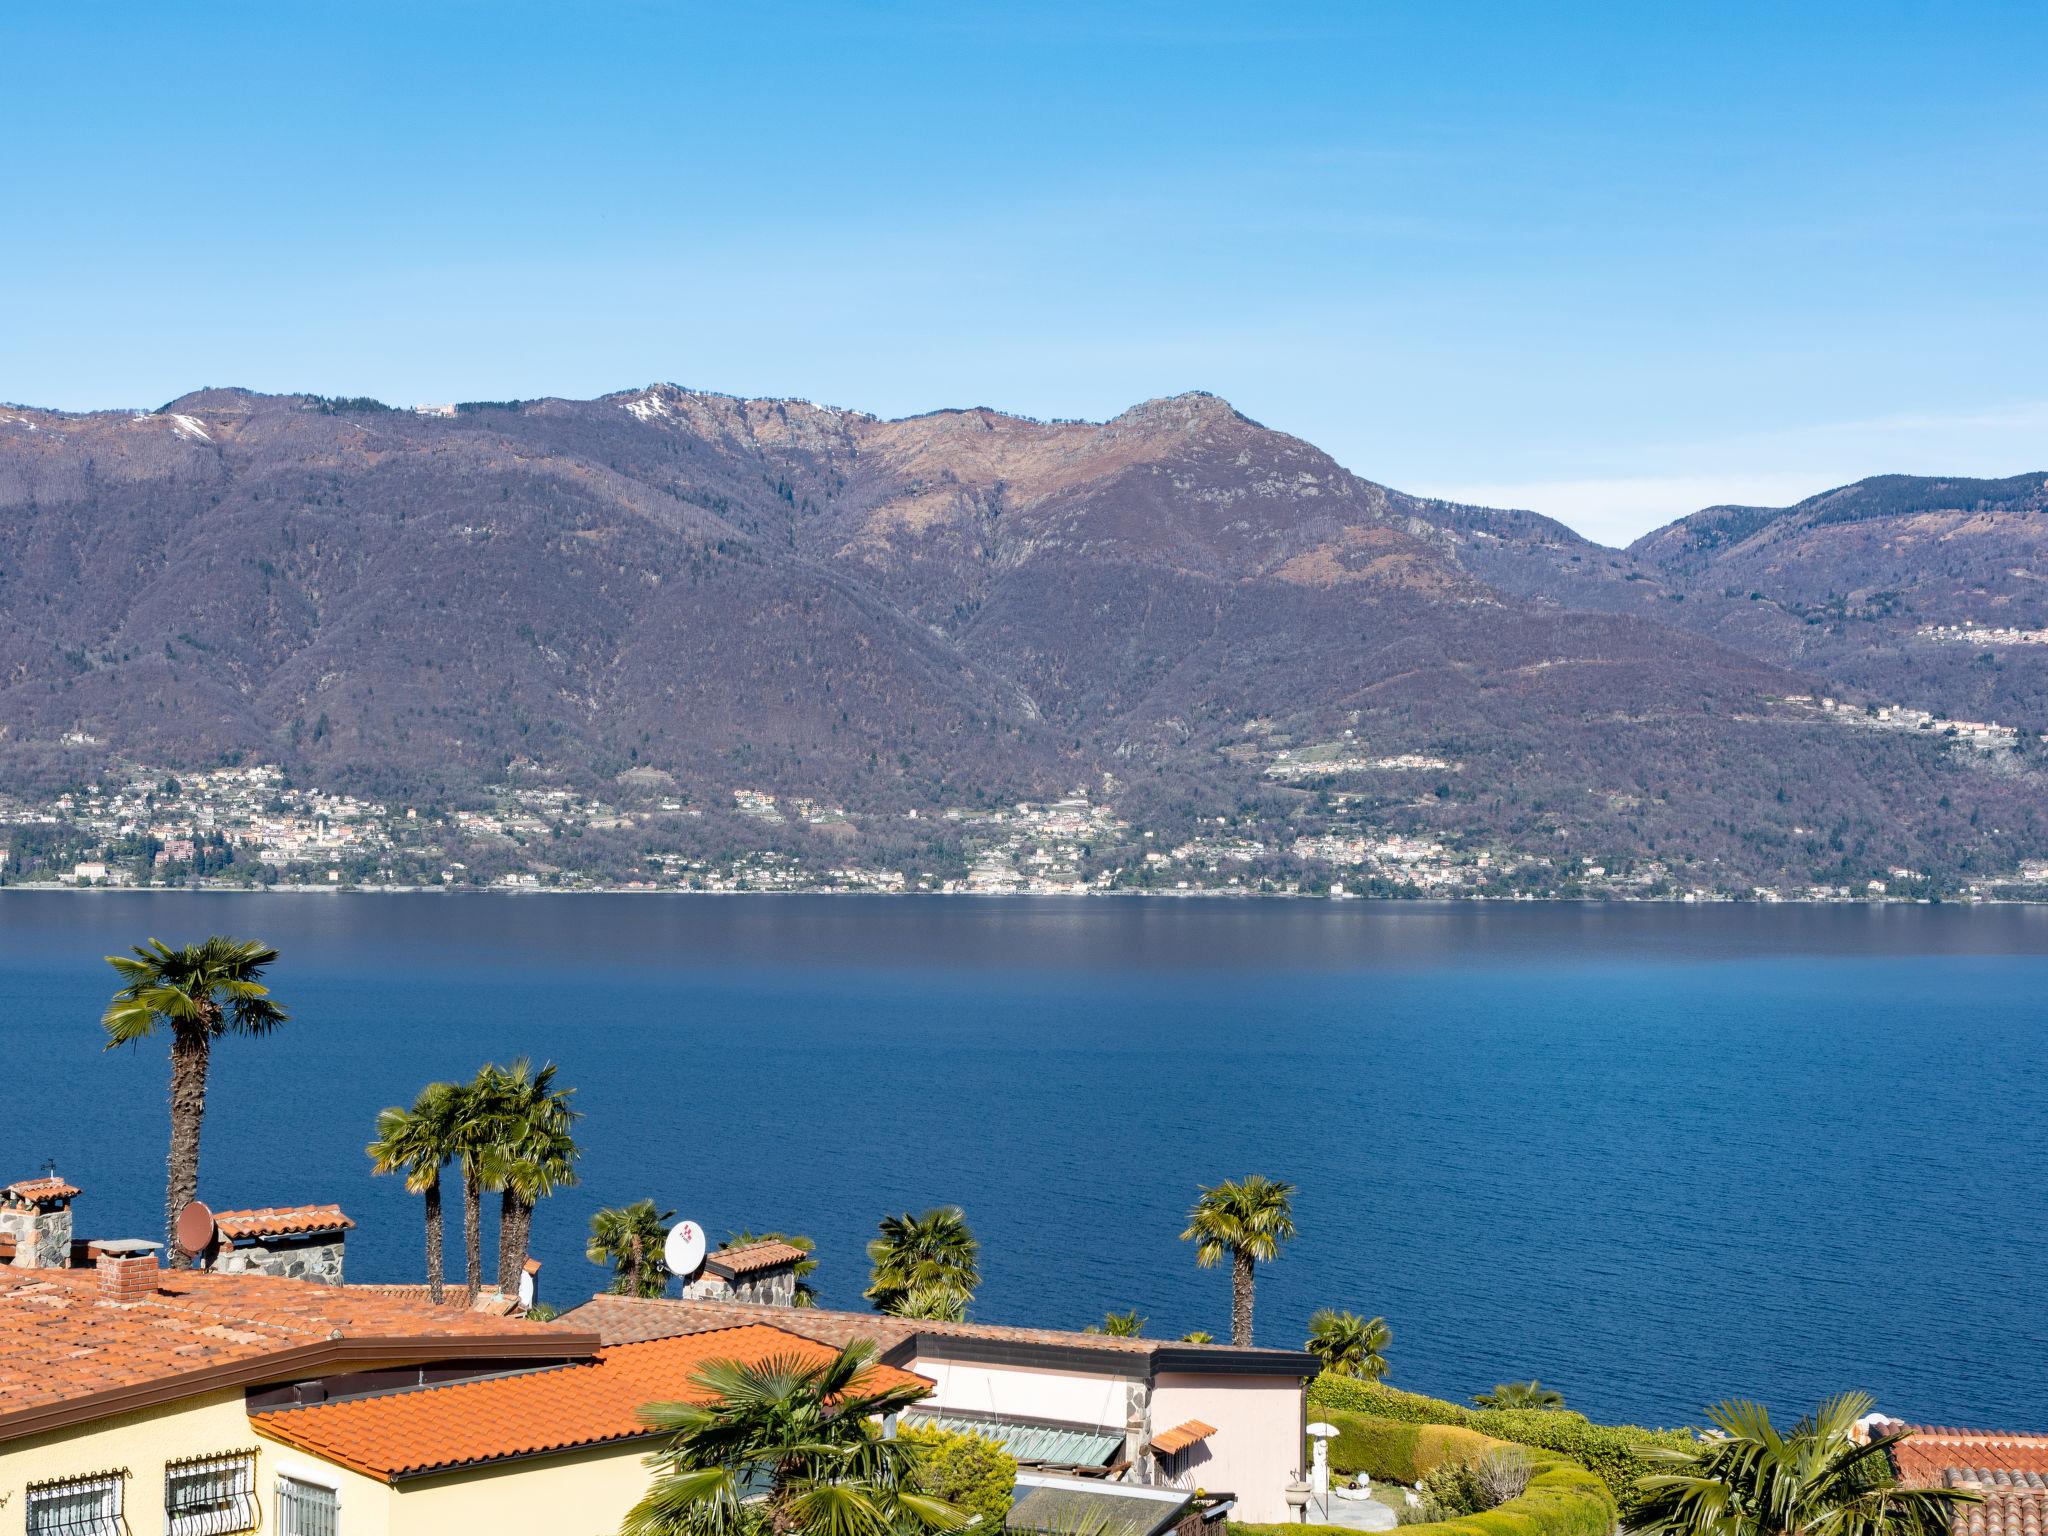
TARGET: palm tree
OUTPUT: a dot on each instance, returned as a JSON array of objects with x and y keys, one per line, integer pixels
[
  {"x": 477, "y": 1111},
  {"x": 806, "y": 1293},
  {"x": 1248, "y": 1219},
  {"x": 1199, "y": 1336},
  {"x": 1520, "y": 1394},
  {"x": 199, "y": 993},
  {"x": 1349, "y": 1345},
  {"x": 535, "y": 1156},
  {"x": 783, "y": 1447},
  {"x": 934, "y": 1254},
  {"x": 628, "y": 1238},
  {"x": 418, "y": 1142},
  {"x": 1750, "y": 1480},
  {"x": 931, "y": 1301},
  {"x": 1119, "y": 1325}
]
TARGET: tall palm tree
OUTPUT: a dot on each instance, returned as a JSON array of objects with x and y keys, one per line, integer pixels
[
  {"x": 534, "y": 1156},
  {"x": 934, "y": 1255},
  {"x": 785, "y": 1446},
  {"x": 1248, "y": 1219},
  {"x": 806, "y": 1293},
  {"x": 418, "y": 1142},
  {"x": 1520, "y": 1394},
  {"x": 628, "y": 1239},
  {"x": 1751, "y": 1480},
  {"x": 1349, "y": 1345},
  {"x": 199, "y": 993}
]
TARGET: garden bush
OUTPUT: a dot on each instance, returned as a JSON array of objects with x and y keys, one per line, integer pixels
[
  {"x": 1615, "y": 1451},
  {"x": 975, "y": 1473},
  {"x": 1562, "y": 1498}
]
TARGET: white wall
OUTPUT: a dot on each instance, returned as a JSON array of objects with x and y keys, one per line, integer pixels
[
  {"x": 1257, "y": 1448},
  {"x": 1072, "y": 1397}
]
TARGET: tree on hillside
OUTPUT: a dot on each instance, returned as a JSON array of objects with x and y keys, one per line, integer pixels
[
  {"x": 1248, "y": 1219},
  {"x": 418, "y": 1143},
  {"x": 1520, "y": 1394},
  {"x": 1752, "y": 1480},
  {"x": 628, "y": 1240},
  {"x": 784, "y": 1447},
  {"x": 199, "y": 993},
  {"x": 930, "y": 1262},
  {"x": 1349, "y": 1345}
]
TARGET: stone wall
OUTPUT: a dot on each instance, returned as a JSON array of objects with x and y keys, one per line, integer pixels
[
  {"x": 42, "y": 1238},
  {"x": 294, "y": 1258}
]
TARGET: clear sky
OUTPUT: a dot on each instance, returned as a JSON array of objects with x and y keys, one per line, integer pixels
[{"x": 1610, "y": 261}]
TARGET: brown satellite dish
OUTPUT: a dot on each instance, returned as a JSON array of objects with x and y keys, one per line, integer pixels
[{"x": 195, "y": 1228}]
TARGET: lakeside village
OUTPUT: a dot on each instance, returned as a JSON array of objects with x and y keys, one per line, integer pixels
[
  {"x": 248, "y": 827},
  {"x": 234, "y": 1377}
]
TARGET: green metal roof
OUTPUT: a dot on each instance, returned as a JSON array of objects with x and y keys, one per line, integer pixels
[
  {"x": 1066, "y": 1445},
  {"x": 1050, "y": 1505}
]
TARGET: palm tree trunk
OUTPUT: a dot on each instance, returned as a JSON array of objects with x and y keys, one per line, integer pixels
[
  {"x": 190, "y": 1049},
  {"x": 435, "y": 1281},
  {"x": 515, "y": 1236},
  {"x": 473, "y": 1229},
  {"x": 1241, "y": 1282},
  {"x": 639, "y": 1260}
]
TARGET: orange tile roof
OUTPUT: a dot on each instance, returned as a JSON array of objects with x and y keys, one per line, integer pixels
[
  {"x": 280, "y": 1221},
  {"x": 2004, "y": 1512},
  {"x": 36, "y": 1190},
  {"x": 420, "y": 1430},
  {"x": 454, "y": 1294},
  {"x": 1926, "y": 1457},
  {"x": 755, "y": 1256},
  {"x": 1172, "y": 1442},
  {"x": 66, "y": 1356}
]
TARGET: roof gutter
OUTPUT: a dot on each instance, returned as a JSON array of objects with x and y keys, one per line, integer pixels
[{"x": 287, "y": 1364}]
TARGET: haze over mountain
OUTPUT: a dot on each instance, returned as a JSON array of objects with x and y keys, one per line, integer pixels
[{"x": 665, "y": 586}]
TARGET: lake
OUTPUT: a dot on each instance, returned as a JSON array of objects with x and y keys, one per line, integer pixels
[{"x": 1653, "y": 1155}]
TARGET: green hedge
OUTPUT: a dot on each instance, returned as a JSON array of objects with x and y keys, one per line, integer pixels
[
  {"x": 1614, "y": 1451},
  {"x": 1562, "y": 1499}
]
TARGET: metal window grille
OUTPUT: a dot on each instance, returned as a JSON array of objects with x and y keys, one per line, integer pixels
[
  {"x": 77, "y": 1506},
  {"x": 307, "y": 1509},
  {"x": 210, "y": 1495}
]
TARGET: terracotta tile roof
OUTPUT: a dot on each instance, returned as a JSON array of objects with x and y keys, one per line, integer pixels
[
  {"x": 491, "y": 1301},
  {"x": 67, "y": 1356},
  {"x": 2004, "y": 1512},
  {"x": 280, "y": 1221},
  {"x": 1928, "y": 1454},
  {"x": 1173, "y": 1441},
  {"x": 430, "y": 1429},
  {"x": 35, "y": 1191},
  {"x": 756, "y": 1256},
  {"x": 619, "y": 1319}
]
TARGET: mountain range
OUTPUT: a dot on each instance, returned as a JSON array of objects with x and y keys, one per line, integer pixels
[{"x": 1178, "y": 610}]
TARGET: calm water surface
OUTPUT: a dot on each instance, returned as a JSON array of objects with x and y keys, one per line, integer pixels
[{"x": 1652, "y": 1155}]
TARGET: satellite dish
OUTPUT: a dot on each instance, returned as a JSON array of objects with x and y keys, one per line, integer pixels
[
  {"x": 526, "y": 1291},
  {"x": 683, "y": 1253},
  {"x": 195, "y": 1229}
]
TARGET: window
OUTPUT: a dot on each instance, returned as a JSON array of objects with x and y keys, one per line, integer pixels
[
  {"x": 307, "y": 1509},
  {"x": 78, "y": 1506},
  {"x": 210, "y": 1496}
]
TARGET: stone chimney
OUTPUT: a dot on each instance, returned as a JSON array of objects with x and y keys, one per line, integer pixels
[
  {"x": 127, "y": 1269},
  {"x": 36, "y": 1214}
]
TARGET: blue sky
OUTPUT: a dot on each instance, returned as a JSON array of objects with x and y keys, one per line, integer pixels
[{"x": 1611, "y": 261}]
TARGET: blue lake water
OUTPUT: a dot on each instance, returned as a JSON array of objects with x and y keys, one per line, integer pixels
[{"x": 1653, "y": 1155}]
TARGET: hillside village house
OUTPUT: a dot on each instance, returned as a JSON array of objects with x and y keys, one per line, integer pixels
[
  {"x": 261, "y": 1394},
  {"x": 1143, "y": 1412}
]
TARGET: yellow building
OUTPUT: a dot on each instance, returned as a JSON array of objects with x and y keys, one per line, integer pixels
[{"x": 141, "y": 1402}]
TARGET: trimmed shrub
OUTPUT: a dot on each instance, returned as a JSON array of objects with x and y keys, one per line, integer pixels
[
  {"x": 977, "y": 1474},
  {"x": 1562, "y": 1498},
  {"x": 1614, "y": 1451}
]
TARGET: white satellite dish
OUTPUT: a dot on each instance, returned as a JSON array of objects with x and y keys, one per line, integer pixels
[
  {"x": 526, "y": 1288},
  {"x": 683, "y": 1253}
]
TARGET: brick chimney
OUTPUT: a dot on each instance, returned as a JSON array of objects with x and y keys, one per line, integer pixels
[
  {"x": 127, "y": 1269},
  {"x": 36, "y": 1213}
]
